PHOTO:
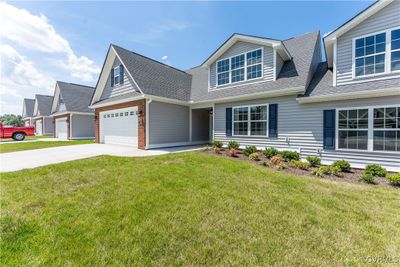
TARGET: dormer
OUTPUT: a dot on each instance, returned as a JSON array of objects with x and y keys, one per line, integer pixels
[
  {"x": 367, "y": 47},
  {"x": 245, "y": 59}
]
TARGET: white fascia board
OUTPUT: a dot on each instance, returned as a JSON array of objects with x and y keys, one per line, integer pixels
[
  {"x": 119, "y": 101},
  {"x": 72, "y": 112},
  {"x": 167, "y": 100},
  {"x": 351, "y": 95},
  {"x": 56, "y": 96},
  {"x": 274, "y": 93}
]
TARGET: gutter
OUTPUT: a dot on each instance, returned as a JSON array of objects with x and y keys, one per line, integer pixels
[
  {"x": 351, "y": 95},
  {"x": 119, "y": 101}
]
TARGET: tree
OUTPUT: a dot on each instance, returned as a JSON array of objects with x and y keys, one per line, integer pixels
[{"x": 12, "y": 120}]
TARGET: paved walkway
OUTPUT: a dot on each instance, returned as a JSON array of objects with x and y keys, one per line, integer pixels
[{"x": 28, "y": 159}]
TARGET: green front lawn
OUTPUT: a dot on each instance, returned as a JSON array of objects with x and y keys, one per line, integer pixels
[
  {"x": 12, "y": 147},
  {"x": 190, "y": 209}
]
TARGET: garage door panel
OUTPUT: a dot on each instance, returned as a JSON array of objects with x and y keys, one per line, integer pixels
[
  {"x": 119, "y": 127},
  {"x": 62, "y": 128}
]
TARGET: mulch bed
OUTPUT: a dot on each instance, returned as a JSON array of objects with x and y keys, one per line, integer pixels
[{"x": 352, "y": 176}]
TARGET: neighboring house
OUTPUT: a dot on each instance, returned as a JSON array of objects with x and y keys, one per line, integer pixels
[
  {"x": 267, "y": 93},
  {"x": 41, "y": 115},
  {"x": 27, "y": 111},
  {"x": 72, "y": 118}
]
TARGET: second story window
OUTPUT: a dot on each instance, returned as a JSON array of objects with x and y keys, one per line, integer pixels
[
  {"x": 395, "y": 50},
  {"x": 370, "y": 55},
  {"x": 116, "y": 75},
  {"x": 240, "y": 67}
]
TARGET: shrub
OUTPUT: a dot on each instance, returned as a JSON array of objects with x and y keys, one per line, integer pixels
[
  {"x": 343, "y": 164},
  {"x": 321, "y": 171},
  {"x": 233, "y": 144},
  {"x": 335, "y": 170},
  {"x": 282, "y": 166},
  {"x": 375, "y": 170},
  {"x": 290, "y": 155},
  {"x": 314, "y": 161},
  {"x": 276, "y": 160},
  {"x": 254, "y": 156},
  {"x": 394, "y": 179},
  {"x": 249, "y": 150},
  {"x": 270, "y": 152},
  {"x": 368, "y": 177},
  {"x": 300, "y": 164},
  {"x": 217, "y": 144},
  {"x": 232, "y": 152}
]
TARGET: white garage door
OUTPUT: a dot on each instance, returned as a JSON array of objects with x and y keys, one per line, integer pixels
[
  {"x": 62, "y": 128},
  {"x": 119, "y": 127},
  {"x": 38, "y": 127}
]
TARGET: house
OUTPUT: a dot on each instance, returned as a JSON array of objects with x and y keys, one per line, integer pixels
[
  {"x": 72, "y": 118},
  {"x": 268, "y": 93},
  {"x": 27, "y": 111},
  {"x": 41, "y": 115}
]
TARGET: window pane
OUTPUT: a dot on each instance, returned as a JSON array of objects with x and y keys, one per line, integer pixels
[
  {"x": 360, "y": 71},
  {"x": 369, "y": 50},
  {"x": 369, "y": 70},
  {"x": 240, "y": 114},
  {"x": 379, "y": 68},
  {"x": 390, "y": 118},
  {"x": 342, "y": 139},
  {"x": 381, "y": 38},
  {"x": 369, "y": 60},
  {"x": 223, "y": 65},
  {"x": 258, "y": 128},
  {"x": 395, "y": 34},
  {"x": 378, "y": 140},
  {"x": 395, "y": 44},
  {"x": 380, "y": 48},
  {"x": 362, "y": 140},
  {"x": 240, "y": 128},
  {"x": 258, "y": 113},
  {"x": 360, "y": 42},
  {"x": 360, "y": 62},
  {"x": 254, "y": 57},
  {"x": 370, "y": 40},
  {"x": 254, "y": 72},
  {"x": 237, "y": 75},
  {"x": 237, "y": 62},
  {"x": 390, "y": 140},
  {"x": 360, "y": 52},
  {"x": 379, "y": 59},
  {"x": 352, "y": 140},
  {"x": 395, "y": 65},
  {"x": 223, "y": 78}
]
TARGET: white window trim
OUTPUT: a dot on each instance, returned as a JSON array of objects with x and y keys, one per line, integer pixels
[
  {"x": 370, "y": 145},
  {"x": 391, "y": 51},
  {"x": 249, "y": 121},
  {"x": 387, "y": 55},
  {"x": 245, "y": 68}
]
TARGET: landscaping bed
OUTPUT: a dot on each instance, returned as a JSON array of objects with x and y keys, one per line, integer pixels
[{"x": 297, "y": 167}]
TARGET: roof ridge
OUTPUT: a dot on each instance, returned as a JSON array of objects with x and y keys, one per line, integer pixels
[
  {"x": 76, "y": 84},
  {"x": 156, "y": 61}
]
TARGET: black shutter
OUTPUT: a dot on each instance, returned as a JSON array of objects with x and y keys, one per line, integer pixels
[
  {"x": 228, "y": 120},
  {"x": 273, "y": 120},
  {"x": 329, "y": 129},
  {"x": 112, "y": 77},
  {"x": 121, "y": 74}
]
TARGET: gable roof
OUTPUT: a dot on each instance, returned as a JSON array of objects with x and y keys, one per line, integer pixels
[
  {"x": 330, "y": 38},
  {"x": 43, "y": 105},
  {"x": 155, "y": 78},
  {"x": 294, "y": 73},
  {"x": 237, "y": 37},
  {"x": 29, "y": 105},
  {"x": 76, "y": 96}
]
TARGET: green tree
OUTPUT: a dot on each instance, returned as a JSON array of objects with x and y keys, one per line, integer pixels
[{"x": 12, "y": 119}]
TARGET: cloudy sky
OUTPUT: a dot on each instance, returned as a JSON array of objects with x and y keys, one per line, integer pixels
[{"x": 42, "y": 42}]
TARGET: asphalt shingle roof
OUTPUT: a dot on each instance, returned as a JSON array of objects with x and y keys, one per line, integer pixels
[
  {"x": 119, "y": 97},
  {"x": 76, "y": 97},
  {"x": 44, "y": 104},
  {"x": 29, "y": 106},
  {"x": 156, "y": 78},
  {"x": 322, "y": 84}
]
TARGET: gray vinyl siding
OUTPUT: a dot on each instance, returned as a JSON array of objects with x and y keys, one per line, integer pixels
[
  {"x": 168, "y": 123},
  {"x": 385, "y": 19},
  {"x": 48, "y": 127},
  {"x": 300, "y": 128},
  {"x": 82, "y": 126},
  {"x": 116, "y": 90},
  {"x": 200, "y": 125},
  {"x": 240, "y": 48}
]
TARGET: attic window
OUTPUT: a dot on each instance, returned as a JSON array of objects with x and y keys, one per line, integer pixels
[{"x": 116, "y": 75}]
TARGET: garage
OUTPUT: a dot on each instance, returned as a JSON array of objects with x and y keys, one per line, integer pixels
[
  {"x": 61, "y": 128},
  {"x": 38, "y": 127},
  {"x": 119, "y": 127}
]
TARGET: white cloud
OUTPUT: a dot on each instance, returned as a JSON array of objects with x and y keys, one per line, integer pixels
[
  {"x": 164, "y": 58},
  {"x": 36, "y": 33}
]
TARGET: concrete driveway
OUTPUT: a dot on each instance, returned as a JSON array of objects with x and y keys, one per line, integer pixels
[{"x": 28, "y": 159}]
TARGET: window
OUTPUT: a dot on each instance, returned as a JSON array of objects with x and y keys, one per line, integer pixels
[
  {"x": 126, "y": 113},
  {"x": 132, "y": 113},
  {"x": 240, "y": 68},
  {"x": 223, "y": 71},
  {"x": 116, "y": 75},
  {"x": 387, "y": 129},
  {"x": 395, "y": 50},
  {"x": 251, "y": 120},
  {"x": 254, "y": 64},
  {"x": 370, "y": 55},
  {"x": 353, "y": 129}
]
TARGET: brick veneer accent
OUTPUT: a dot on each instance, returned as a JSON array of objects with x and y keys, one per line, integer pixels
[
  {"x": 68, "y": 124},
  {"x": 141, "y": 104}
]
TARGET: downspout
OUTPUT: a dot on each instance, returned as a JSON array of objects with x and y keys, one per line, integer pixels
[{"x": 148, "y": 102}]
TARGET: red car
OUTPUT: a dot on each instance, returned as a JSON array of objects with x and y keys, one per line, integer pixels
[{"x": 16, "y": 133}]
